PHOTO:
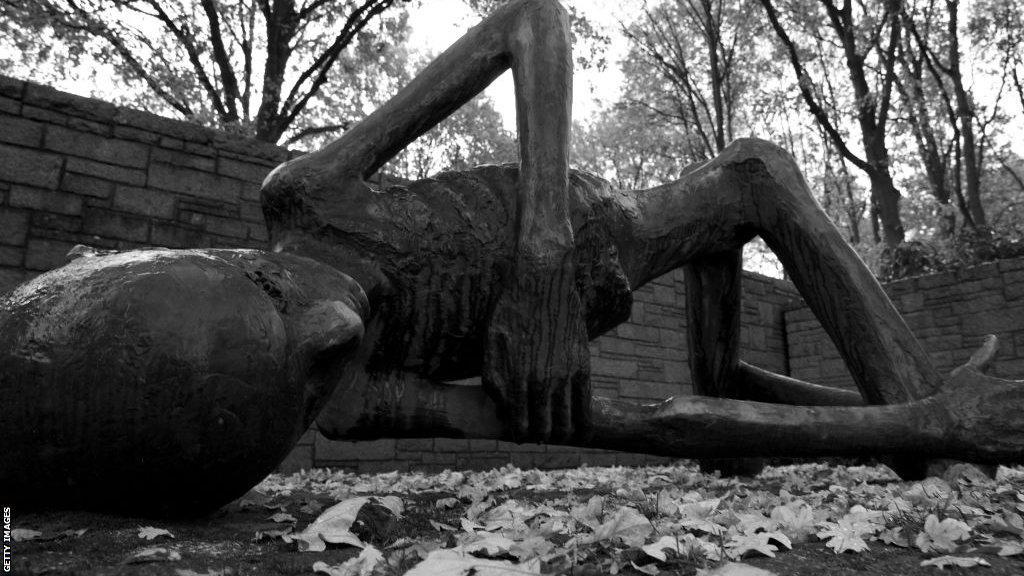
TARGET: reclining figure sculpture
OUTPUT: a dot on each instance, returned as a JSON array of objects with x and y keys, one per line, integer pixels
[{"x": 385, "y": 295}]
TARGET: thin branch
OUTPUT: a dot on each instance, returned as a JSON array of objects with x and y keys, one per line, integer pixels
[
  {"x": 220, "y": 56},
  {"x": 804, "y": 82},
  {"x": 316, "y": 131}
]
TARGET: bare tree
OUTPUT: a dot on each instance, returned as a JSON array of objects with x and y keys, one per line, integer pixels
[
  {"x": 701, "y": 53},
  {"x": 933, "y": 46},
  {"x": 250, "y": 63},
  {"x": 868, "y": 38}
]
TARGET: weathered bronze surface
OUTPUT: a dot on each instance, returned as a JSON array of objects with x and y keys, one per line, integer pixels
[
  {"x": 170, "y": 381},
  {"x": 166, "y": 381}
]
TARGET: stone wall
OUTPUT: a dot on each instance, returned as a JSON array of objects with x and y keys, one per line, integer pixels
[
  {"x": 82, "y": 171},
  {"x": 949, "y": 312}
]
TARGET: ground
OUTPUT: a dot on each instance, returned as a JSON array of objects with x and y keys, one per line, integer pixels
[{"x": 790, "y": 520}]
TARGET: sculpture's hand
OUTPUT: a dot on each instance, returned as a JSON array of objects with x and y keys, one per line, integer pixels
[{"x": 536, "y": 363}]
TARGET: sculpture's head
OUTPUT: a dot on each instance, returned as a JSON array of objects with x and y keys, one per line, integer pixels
[{"x": 166, "y": 381}]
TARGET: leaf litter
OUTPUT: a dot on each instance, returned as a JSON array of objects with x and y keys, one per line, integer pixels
[{"x": 626, "y": 520}]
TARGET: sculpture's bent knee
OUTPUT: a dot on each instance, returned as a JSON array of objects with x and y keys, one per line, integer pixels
[
  {"x": 165, "y": 381},
  {"x": 778, "y": 163}
]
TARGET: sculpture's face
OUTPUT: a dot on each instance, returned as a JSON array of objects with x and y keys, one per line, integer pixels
[{"x": 158, "y": 370}]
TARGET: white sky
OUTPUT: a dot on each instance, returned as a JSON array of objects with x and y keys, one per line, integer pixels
[{"x": 437, "y": 24}]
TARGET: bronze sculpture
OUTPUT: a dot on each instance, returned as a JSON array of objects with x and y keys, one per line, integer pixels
[{"x": 502, "y": 272}]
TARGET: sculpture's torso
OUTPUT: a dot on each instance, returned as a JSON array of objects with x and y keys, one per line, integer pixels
[{"x": 434, "y": 254}]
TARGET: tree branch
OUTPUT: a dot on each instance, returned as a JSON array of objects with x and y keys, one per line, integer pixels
[
  {"x": 193, "y": 55},
  {"x": 804, "y": 82},
  {"x": 290, "y": 108},
  {"x": 316, "y": 131},
  {"x": 220, "y": 56}
]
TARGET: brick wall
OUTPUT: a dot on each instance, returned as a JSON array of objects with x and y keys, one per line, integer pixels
[
  {"x": 949, "y": 312},
  {"x": 82, "y": 171}
]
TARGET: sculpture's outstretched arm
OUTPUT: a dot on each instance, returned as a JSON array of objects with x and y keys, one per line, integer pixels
[
  {"x": 536, "y": 359},
  {"x": 974, "y": 417}
]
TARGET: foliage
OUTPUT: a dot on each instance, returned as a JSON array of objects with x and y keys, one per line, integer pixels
[
  {"x": 966, "y": 248},
  {"x": 693, "y": 65},
  {"x": 252, "y": 65},
  {"x": 629, "y": 148},
  {"x": 590, "y": 43},
  {"x": 471, "y": 136}
]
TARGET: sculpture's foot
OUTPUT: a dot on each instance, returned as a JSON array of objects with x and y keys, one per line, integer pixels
[{"x": 910, "y": 468}]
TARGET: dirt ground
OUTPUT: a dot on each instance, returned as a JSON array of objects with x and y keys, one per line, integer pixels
[{"x": 242, "y": 539}]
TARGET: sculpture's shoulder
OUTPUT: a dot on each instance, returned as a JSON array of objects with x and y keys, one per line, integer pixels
[{"x": 495, "y": 186}]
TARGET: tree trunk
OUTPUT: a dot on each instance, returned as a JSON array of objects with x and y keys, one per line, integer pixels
[
  {"x": 885, "y": 199},
  {"x": 965, "y": 115}
]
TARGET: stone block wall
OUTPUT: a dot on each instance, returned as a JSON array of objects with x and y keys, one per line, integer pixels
[
  {"x": 76, "y": 170},
  {"x": 950, "y": 313}
]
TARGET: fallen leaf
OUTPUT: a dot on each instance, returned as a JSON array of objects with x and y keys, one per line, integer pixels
[
  {"x": 311, "y": 507},
  {"x": 589, "y": 514},
  {"x": 928, "y": 492},
  {"x": 941, "y": 536},
  {"x": 627, "y": 525},
  {"x": 151, "y": 533},
  {"x": 843, "y": 538},
  {"x": 657, "y": 548},
  {"x": 452, "y": 562},
  {"x": 445, "y": 503},
  {"x": 283, "y": 517},
  {"x": 706, "y": 526},
  {"x": 393, "y": 503},
  {"x": 440, "y": 526},
  {"x": 796, "y": 519},
  {"x": 24, "y": 534},
  {"x": 147, "y": 555},
  {"x": 1010, "y": 549},
  {"x": 942, "y": 562},
  {"x": 894, "y": 537},
  {"x": 332, "y": 526},
  {"x": 272, "y": 534},
  {"x": 531, "y": 547},
  {"x": 650, "y": 569},
  {"x": 362, "y": 565},
  {"x": 759, "y": 542},
  {"x": 1007, "y": 523},
  {"x": 488, "y": 545},
  {"x": 735, "y": 569}
]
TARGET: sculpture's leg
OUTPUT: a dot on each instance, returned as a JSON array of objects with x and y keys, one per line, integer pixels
[
  {"x": 713, "y": 288},
  {"x": 713, "y": 312},
  {"x": 713, "y": 321},
  {"x": 536, "y": 360},
  {"x": 755, "y": 188}
]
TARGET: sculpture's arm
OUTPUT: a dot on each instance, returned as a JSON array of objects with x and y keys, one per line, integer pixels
[
  {"x": 974, "y": 417},
  {"x": 536, "y": 358}
]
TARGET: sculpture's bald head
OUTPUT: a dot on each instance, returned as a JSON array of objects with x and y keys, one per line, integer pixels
[{"x": 136, "y": 370}]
